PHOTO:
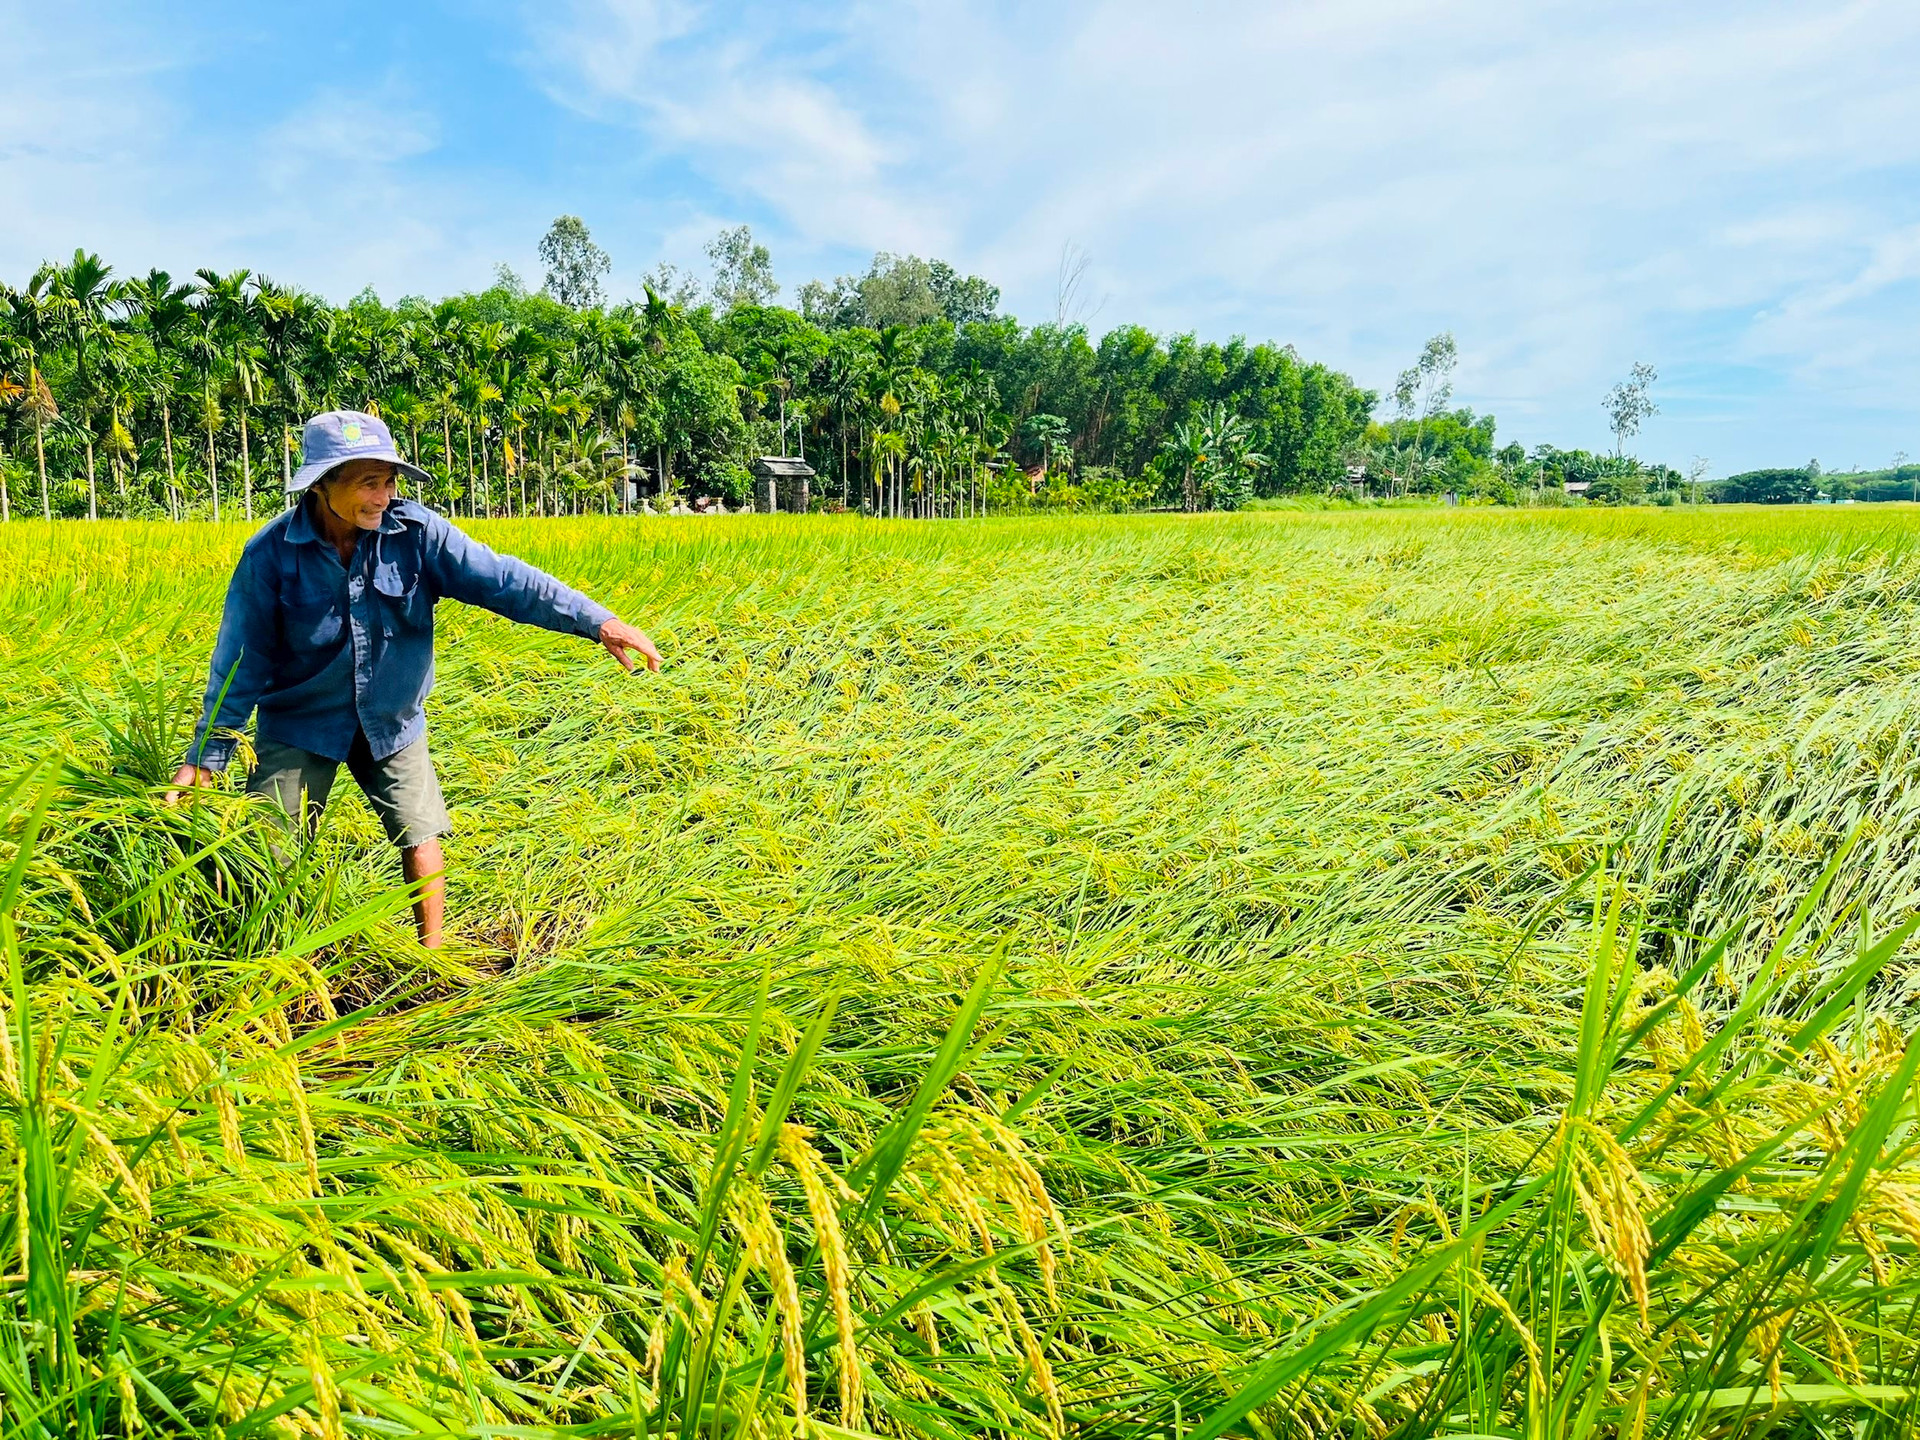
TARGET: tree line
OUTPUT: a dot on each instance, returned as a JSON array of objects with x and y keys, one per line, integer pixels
[{"x": 905, "y": 388}]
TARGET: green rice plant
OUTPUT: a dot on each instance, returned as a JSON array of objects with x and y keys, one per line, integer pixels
[{"x": 1373, "y": 973}]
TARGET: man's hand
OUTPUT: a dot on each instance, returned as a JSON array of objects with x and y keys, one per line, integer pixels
[
  {"x": 187, "y": 777},
  {"x": 620, "y": 637}
]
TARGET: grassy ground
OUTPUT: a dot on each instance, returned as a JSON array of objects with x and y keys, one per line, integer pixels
[{"x": 1398, "y": 973}]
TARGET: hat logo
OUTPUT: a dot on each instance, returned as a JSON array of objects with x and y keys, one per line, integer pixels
[{"x": 350, "y": 431}]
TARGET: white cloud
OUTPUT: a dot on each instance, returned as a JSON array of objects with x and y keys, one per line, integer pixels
[
  {"x": 105, "y": 149},
  {"x": 1725, "y": 189},
  {"x": 752, "y": 117},
  {"x": 336, "y": 140},
  {"x": 1568, "y": 187}
]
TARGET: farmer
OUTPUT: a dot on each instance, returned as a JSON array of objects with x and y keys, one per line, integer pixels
[{"x": 328, "y": 629}]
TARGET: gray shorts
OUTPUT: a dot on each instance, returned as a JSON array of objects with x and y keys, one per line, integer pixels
[{"x": 401, "y": 789}]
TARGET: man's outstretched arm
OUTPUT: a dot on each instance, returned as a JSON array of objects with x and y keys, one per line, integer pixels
[{"x": 463, "y": 569}]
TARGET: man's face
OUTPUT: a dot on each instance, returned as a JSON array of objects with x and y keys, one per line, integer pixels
[{"x": 360, "y": 491}]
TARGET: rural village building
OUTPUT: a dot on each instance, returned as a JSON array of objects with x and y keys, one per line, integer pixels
[{"x": 780, "y": 482}]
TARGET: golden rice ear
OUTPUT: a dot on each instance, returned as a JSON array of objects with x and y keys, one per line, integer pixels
[
  {"x": 823, "y": 1210},
  {"x": 1616, "y": 1200},
  {"x": 767, "y": 1250},
  {"x": 243, "y": 752}
]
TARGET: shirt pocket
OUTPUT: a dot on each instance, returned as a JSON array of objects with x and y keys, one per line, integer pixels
[
  {"x": 312, "y": 616},
  {"x": 403, "y": 595}
]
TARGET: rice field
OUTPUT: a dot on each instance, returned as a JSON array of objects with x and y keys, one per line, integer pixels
[{"x": 1281, "y": 975}]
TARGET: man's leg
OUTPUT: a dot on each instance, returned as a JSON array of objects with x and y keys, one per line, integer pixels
[
  {"x": 424, "y": 863},
  {"x": 405, "y": 793},
  {"x": 297, "y": 780}
]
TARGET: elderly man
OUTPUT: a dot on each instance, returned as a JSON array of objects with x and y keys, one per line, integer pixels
[{"x": 328, "y": 631}]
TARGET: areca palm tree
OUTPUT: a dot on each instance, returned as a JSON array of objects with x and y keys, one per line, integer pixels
[
  {"x": 888, "y": 447},
  {"x": 35, "y": 313},
  {"x": 596, "y": 466},
  {"x": 782, "y": 359},
  {"x": 658, "y": 321},
  {"x": 162, "y": 307},
  {"x": 974, "y": 393},
  {"x": 844, "y": 386},
  {"x": 13, "y": 392},
  {"x": 122, "y": 378},
  {"x": 473, "y": 394},
  {"x": 1051, "y": 431},
  {"x": 201, "y": 347},
  {"x": 289, "y": 325},
  {"x": 88, "y": 295},
  {"x": 408, "y": 411},
  {"x": 235, "y": 320}
]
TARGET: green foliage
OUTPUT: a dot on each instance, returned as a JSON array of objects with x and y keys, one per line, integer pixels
[
  {"x": 576, "y": 267},
  {"x": 999, "y": 979},
  {"x": 1768, "y": 487},
  {"x": 1618, "y": 485},
  {"x": 742, "y": 270},
  {"x": 1897, "y": 482}
]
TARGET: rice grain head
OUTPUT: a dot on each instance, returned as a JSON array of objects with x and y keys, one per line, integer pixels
[{"x": 822, "y": 1209}]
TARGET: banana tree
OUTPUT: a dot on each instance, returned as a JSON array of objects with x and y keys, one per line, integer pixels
[
  {"x": 1230, "y": 462},
  {"x": 1185, "y": 449}
]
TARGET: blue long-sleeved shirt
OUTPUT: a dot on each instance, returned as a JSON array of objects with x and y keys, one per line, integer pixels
[{"x": 325, "y": 649}]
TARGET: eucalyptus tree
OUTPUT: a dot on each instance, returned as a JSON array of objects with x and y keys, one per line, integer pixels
[
  {"x": 1630, "y": 404},
  {"x": 575, "y": 265},
  {"x": 742, "y": 270}
]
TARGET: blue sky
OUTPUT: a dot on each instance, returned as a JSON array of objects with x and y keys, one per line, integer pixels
[{"x": 1727, "y": 191}]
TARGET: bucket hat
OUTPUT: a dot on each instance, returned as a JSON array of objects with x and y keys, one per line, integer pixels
[{"x": 342, "y": 435}]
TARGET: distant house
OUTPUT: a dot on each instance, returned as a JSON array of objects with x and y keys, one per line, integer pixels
[
  {"x": 1578, "y": 487},
  {"x": 781, "y": 482}
]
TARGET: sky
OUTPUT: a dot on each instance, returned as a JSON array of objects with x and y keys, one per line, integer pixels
[{"x": 1725, "y": 191}]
